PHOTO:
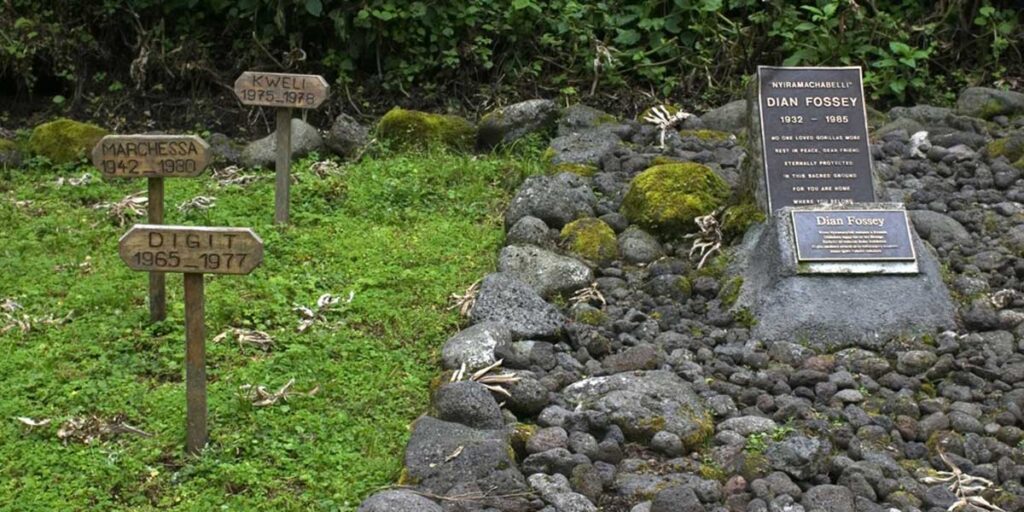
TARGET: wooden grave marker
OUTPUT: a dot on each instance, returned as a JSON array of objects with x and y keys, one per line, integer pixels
[
  {"x": 193, "y": 251},
  {"x": 153, "y": 157},
  {"x": 283, "y": 91}
]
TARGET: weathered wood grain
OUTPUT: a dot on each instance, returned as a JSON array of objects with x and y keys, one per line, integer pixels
[{"x": 209, "y": 250}]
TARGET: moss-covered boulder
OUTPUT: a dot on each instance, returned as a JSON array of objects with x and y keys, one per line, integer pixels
[
  {"x": 585, "y": 170},
  {"x": 10, "y": 155},
  {"x": 738, "y": 218},
  {"x": 1011, "y": 147},
  {"x": 592, "y": 239},
  {"x": 666, "y": 198},
  {"x": 415, "y": 129},
  {"x": 64, "y": 140}
]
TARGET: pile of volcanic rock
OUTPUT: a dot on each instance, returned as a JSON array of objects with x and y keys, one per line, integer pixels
[{"x": 636, "y": 388}]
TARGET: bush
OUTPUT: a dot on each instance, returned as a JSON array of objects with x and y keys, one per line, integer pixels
[{"x": 700, "y": 50}]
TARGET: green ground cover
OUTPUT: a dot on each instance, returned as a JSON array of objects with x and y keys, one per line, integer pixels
[{"x": 400, "y": 231}]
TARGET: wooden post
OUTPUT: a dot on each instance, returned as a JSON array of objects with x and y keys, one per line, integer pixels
[
  {"x": 284, "y": 162},
  {"x": 193, "y": 251},
  {"x": 157, "y": 281},
  {"x": 195, "y": 364}
]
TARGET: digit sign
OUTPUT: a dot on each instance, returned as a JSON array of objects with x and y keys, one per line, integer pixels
[
  {"x": 281, "y": 90},
  {"x": 201, "y": 250},
  {"x": 151, "y": 156}
]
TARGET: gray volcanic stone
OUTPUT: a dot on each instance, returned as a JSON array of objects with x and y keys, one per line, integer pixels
[
  {"x": 474, "y": 346},
  {"x": 924, "y": 114},
  {"x": 468, "y": 403},
  {"x": 530, "y": 231},
  {"x": 529, "y": 396},
  {"x": 510, "y": 123},
  {"x": 347, "y": 136},
  {"x": 644, "y": 402},
  {"x": 262, "y": 152},
  {"x": 831, "y": 311},
  {"x": 398, "y": 501},
  {"x": 667, "y": 443},
  {"x": 579, "y": 117},
  {"x": 987, "y": 103},
  {"x": 639, "y": 246},
  {"x": 641, "y": 357},
  {"x": 483, "y": 453},
  {"x": 746, "y": 425},
  {"x": 506, "y": 300},
  {"x": 585, "y": 148},
  {"x": 939, "y": 229},
  {"x": 677, "y": 499},
  {"x": 915, "y": 362},
  {"x": 556, "y": 200},
  {"x": 828, "y": 498},
  {"x": 799, "y": 456},
  {"x": 546, "y": 272},
  {"x": 546, "y": 439},
  {"x": 731, "y": 117},
  {"x": 221, "y": 146}
]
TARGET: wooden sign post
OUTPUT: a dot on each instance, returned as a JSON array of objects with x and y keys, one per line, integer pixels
[
  {"x": 153, "y": 157},
  {"x": 193, "y": 251},
  {"x": 284, "y": 91}
]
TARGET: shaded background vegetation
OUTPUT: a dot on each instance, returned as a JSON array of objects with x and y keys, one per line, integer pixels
[{"x": 173, "y": 62}]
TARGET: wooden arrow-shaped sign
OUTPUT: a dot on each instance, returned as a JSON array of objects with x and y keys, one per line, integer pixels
[
  {"x": 200, "y": 250},
  {"x": 281, "y": 89},
  {"x": 151, "y": 156}
]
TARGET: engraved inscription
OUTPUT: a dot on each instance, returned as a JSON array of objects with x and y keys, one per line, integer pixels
[
  {"x": 832, "y": 235},
  {"x": 815, "y": 138},
  {"x": 151, "y": 156},
  {"x": 191, "y": 249},
  {"x": 281, "y": 89}
]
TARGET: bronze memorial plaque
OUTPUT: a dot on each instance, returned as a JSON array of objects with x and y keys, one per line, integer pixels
[
  {"x": 151, "y": 156},
  {"x": 205, "y": 250},
  {"x": 814, "y": 136},
  {"x": 852, "y": 235},
  {"x": 281, "y": 89}
]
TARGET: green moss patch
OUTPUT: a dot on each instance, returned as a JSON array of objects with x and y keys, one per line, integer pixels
[
  {"x": 64, "y": 140},
  {"x": 584, "y": 170},
  {"x": 738, "y": 218},
  {"x": 415, "y": 129},
  {"x": 705, "y": 135},
  {"x": 1010, "y": 147},
  {"x": 592, "y": 239},
  {"x": 667, "y": 198}
]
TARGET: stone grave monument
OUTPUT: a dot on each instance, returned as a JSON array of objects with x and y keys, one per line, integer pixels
[{"x": 831, "y": 266}]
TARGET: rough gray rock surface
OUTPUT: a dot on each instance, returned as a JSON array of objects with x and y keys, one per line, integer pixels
[
  {"x": 398, "y": 501},
  {"x": 224, "y": 149},
  {"x": 474, "y": 346},
  {"x": 468, "y": 403},
  {"x": 586, "y": 148},
  {"x": 515, "y": 121},
  {"x": 347, "y": 136},
  {"x": 484, "y": 454},
  {"x": 642, "y": 403},
  {"x": 548, "y": 273},
  {"x": 506, "y": 300},
  {"x": 939, "y": 229},
  {"x": 986, "y": 103},
  {"x": 639, "y": 246},
  {"x": 845, "y": 309},
  {"x": 262, "y": 152},
  {"x": 731, "y": 117},
  {"x": 556, "y": 200}
]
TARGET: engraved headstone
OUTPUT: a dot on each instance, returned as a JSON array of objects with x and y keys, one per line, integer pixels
[{"x": 810, "y": 138}]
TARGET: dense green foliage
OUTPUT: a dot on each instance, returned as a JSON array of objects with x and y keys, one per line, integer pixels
[
  {"x": 401, "y": 232},
  {"x": 466, "y": 52}
]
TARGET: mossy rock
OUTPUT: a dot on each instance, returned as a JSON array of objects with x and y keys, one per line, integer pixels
[
  {"x": 705, "y": 135},
  {"x": 738, "y": 218},
  {"x": 730, "y": 291},
  {"x": 415, "y": 129},
  {"x": 591, "y": 316},
  {"x": 64, "y": 140},
  {"x": 705, "y": 429},
  {"x": 592, "y": 239},
  {"x": 667, "y": 198},
  {"x": 10, "y": 155},
  {"x": 584, "y": 170},
  {"x": 1011, "y": 147}
]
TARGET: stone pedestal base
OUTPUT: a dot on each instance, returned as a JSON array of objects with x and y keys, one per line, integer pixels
[{"x": 831, "y": 311}]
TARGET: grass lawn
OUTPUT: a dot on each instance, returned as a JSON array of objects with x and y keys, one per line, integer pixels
[{"x": 400, "y": 231}]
